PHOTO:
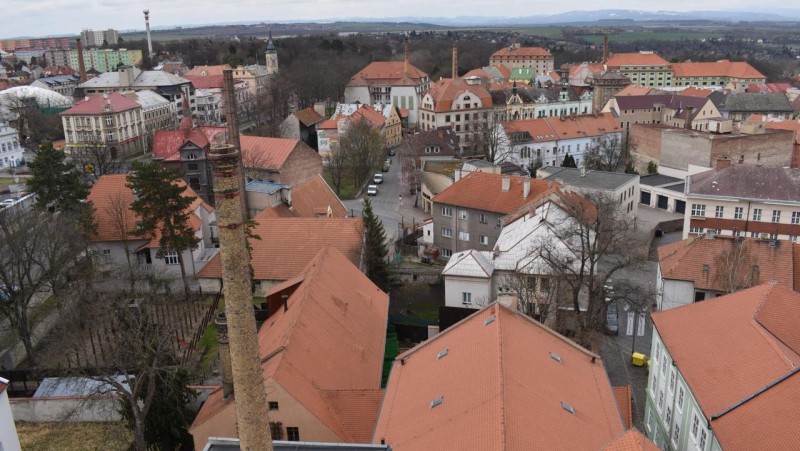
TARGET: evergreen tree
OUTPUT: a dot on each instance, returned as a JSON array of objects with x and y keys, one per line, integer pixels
[
  {"x": 375, "y": 252},
  {"x": 652, "y": 167},
  {"x": 569, "y": 161},
  {"x": 163, "y": 210},
  {"x": 57, "y": 184}
]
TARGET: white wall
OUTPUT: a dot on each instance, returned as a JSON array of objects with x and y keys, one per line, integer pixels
[
  {"x": 676, "y": 293},
  {"x": 66, "y": 408},
  {"x": 454, "y": 286},
  {"x": 8, "y": 432}
]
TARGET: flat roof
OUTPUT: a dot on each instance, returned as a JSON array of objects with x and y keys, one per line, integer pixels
[
  {"x": 591, "y": 179},
  {"x": 658, "y": 180}
]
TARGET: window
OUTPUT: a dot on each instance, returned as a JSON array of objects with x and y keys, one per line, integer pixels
[
  {"x": 109, "y": 121},
  {"x": 661, "y": 400},
  {"x": 463, "y": 214},
  {"x": 738, "y": 212},
  {"x": 170, "y": 257},
  {"x": 447, "y": 232},
  {"x": 719, "y": 211},
  {"x": 447, "y": 118},
  {"x": 191, "y": 156},
  {"x": 447, "y": 253},
  {"x": 696, "y": 230},
  {"x": 447, "y": 211},
  {"x": 192, "y": 166},
  {"x": 463, "y": 236},
  {"x": 466, "y": 298},
  {"x": 776, "y": 216},
  {"x": 275, "y": 430},
  {"x": 698, "y": 210},
  {"x": 482, "y": 218},
  {"x": 676, "y": 434},
  {"x": 484, "y": 240},
  {"x": 293, "y": 434},
  {"x": 668, "y": 418},
  {"x": 702, "y": 443},
  {"x": 756, "y": 214},
  {"x": 650, "y": 420},
  {"x": 796, "y": 217},
  {"x": 106, "y": 251},
  {"x": 695, "y": 425},
  {"x": 672, "y": 381}
]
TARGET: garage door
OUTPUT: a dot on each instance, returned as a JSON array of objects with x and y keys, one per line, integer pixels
[
  {"x": 644, "y": 197},
  {"x": 680, "y": 206},
  {"x": 663, "y": 202}
]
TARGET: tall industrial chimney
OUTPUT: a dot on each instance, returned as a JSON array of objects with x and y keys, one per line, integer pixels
[
  {"x": 252, "y": 416},
  {"x": 405, "y": 59},
  {"x": 149, "y": 42},
  {"x": 232, "y": 124},
  {"x": 455, "y": 62},
  {"x": 81, "y": 63},
  {"x": 605, "y": 49}
]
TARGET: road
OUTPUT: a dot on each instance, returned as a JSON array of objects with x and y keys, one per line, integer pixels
[{"x": 387, "y": 204}]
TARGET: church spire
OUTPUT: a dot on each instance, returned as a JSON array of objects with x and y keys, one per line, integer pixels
[{"x": 272, "y": 55}]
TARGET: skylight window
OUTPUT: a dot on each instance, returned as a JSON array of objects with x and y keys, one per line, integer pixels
[
  {"x": 567, "y": 407},
  {"x": 555, "y": 357},
  {"x": 441, "y": 354},
  {"x": 438, "y": 401},
  {"x": 489, "y": 320}
]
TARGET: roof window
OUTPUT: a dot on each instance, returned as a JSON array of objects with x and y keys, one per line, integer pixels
[
  {"x": 489, "y": 320},
  {"x": 567, "y": 407},
  {"x": 441, "y": 354},
  {"x": 555, "y": 357},
  {"x": 438, "y": 401}
]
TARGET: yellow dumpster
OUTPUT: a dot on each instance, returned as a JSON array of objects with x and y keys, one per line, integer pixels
[{"x": 638, "y": 359}]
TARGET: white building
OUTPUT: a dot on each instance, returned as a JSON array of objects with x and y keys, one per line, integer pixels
[
  {"x": 724, "y": 375},
  {"x": 96, "y": 38},
  {"x": 10, "y": 148},
  {"x": 474, "y": 278},
  {"x": 8, "y": 432},
  {"x": 398, "y": 83},
  {"x": 158, "y": 113},
  {"x": 529, "y": 102},
  {"x": 109, "y": 120},
  {"x": 62, "y": 84},
  {"x": 617, "y": 186},
  {"x": 548, "y": 140},
  {"x": 464, "y": 107}
]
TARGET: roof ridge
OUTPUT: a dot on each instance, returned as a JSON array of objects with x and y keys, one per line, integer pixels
[
  {"x": 756, "y": 394},
  {"x": 500, "y": 378}
]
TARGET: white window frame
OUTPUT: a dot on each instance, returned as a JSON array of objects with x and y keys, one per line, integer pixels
[
  {"x": 776, "y": 216},
  {"x": 170, "y": 257},
  {"x": 447, "y": 232},
  {"x": 484, "y": 240},
  {"x": 482, "y": 218},
  {"x": 463, "y": 235},
  {"x": 447, "y": 211},
  {"x": 466, "y": 298},
  {"x": 463, "y": 215},
  {"x": 756, "y": 214},
  {"x": 795, "y": 217},
  {"x": 738, "y": 212},
  {"x": 699, "y": 210},
  {"x": 719, "y": 211},
  {"x": 447, "y": 253}
]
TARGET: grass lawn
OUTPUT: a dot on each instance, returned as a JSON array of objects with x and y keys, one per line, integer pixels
[
  {"x": 8, "y": 181},
  {"x": 446, "y": 168},
  {"x": 77, "y": 436},
  {"x": 348, "y": 190},
  {"x": 422, "y": 301}
]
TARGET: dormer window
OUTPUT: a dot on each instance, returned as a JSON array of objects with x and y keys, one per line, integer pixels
[{"x": 191, "y": 156}]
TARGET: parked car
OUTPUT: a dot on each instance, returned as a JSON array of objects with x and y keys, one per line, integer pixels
[
  {"x": 7, "y": 203},
  {"x": 392, "y": 152},
  {"x": 612, "y": 319},
  {"x": 386, "y": 166},
  {"x": 372, "y": 190},
  {"x": 377, "y": 178}
]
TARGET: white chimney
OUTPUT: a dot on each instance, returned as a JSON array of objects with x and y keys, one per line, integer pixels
[
  {"x": 526, "y": 187},
  {"x": 508, "y": 298},
  {"x": 506, "y": 183},
  {"x": 457, "y": 175}
]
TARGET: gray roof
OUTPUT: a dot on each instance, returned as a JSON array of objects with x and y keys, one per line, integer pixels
[
  {"x": 75, "y": 386},
  {"x": 658, "y": 180},
  {"x": 146, "y": 98},
  {"x": 147, "y": 78},
  {"x": 231, "y": 444},
  {"x": 746, "y": 181},
  {"x": 601, "y": 180},
  {"x": 258, "y": 186},
  {"x": 56, "y": 80},
  {"x": 530, "y": 94},
  {"x": 756, "y": 102}
]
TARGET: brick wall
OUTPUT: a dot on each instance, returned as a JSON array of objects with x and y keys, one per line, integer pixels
[
  {"x": 645, "y": 145},
  {"x": 773, "y": 148},
  {"x": 303, "y": 163}
]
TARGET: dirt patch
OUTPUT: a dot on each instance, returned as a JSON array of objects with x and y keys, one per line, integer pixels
[{"x": 79, "y": 436}]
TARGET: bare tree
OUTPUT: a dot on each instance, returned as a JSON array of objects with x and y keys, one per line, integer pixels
[
  {"x": 95, "y": 158},
  {"x": 607, "y": 154},
  {"x": 736, "y": 267},
  {"x": 492, "y": 141},
  {"x": 364, "y": 146},
  {"x": 337, "y": 161},
  {"x": 599, "y": 237},
  {"x": 39, "y": 251},
  {"x": 411, "y": 166}
]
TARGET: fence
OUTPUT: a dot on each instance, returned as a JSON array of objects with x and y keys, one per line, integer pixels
[{"x": 187, "y": 353}]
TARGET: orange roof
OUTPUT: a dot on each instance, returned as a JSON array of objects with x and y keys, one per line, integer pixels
[
  {"x": 565, "y": 127},
  {"x": 208, "y": 70},
  {"x": 633, "y": 90},
  {"x": 388, "y": 73},
  {"x": 446, "y": 90},
  {"x": 332, "y": 299},
  {"x": 213, "y": 405},
  {"x": 310, "y": 199},
  {"x": 504, "y": 71},
  {"x": 109, "y": 193},
  {"x": 308, "y": 116},
  {"x": 636, "y": 59},
  {"x": 167, "y": 143},
  {"x": 724, "y": 68},
  {"x": 367, "y": 113},
  {"x": 623, "y": 397},
  {"x": 115, "y": 101},
  {"x": 522, "y": 52},
  {"x": 502, "y": 387},
  {"x": 779, "y": 125},
  {"x": 749, "y": 340},
  {"x": 286, "y": 245},
  {"x": 483, "y": 191},
  {"x": 686, "y": 260},
  {"x": 631, "y": 440},
  {"x": 693, "y": 91},
  {"x": 267, "y": 153}
]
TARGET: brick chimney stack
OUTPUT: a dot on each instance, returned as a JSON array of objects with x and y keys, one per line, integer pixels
[
  {"x": 252, "y": 414},
  {"x": 81, "y": 63},
  {"x": 405, "y": 57},
  {"x": 149, "y": 42},
  {"x": 689, "y": 112},
  {"x": 455, "y": 62},
  {"x": 605, "y": 49}
]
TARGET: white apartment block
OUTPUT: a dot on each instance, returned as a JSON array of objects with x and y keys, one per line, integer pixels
[{"x": 10, "y": 148}]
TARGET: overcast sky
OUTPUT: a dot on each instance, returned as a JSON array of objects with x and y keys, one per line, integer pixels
[{"x": 58, "y": 17}]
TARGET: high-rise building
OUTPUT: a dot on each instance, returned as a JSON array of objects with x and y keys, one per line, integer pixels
[{"x": 96, "y": 38}]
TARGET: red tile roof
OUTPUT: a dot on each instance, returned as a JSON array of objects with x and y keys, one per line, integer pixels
[
  {"x": 722, "y": 68},
  {"x": 521, "y": 52},
  {"x": 98, "y": 104},
  {"x": 447, "y": 90},
  {"x": 634, "y": 90},
  {"x": 631, "y": 440},
  {"x": 749, "y": 340},
  {"x": 623, "y": 397},
  {"x": 308, "y": 116},
  {"x": 367, "y": 113},
  {"x": 565, "y": 127},
  {"x": 205, "y": 81},
  {"x": 337, "y": 380},
  {"x": 768, "y": 88},
  {"x": 286, "y": 245},
  {"x": 483, "y": 191},
  {"x": 687, "y": 259},
  {"x": 501, "y": 387},
  {"x": 636, "y": 59},
  {"x": 208, "y": 70},
  {"x": 312, "y": 198},
  {"x": 111, "y": 200},
  {"x": 267, "y": 153},
  {"x": 693, "y": 91},
  {"x": 388, "y": 73},
  {"x": 3, "y": 385}
]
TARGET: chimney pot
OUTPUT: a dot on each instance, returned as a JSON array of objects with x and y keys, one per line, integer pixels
[{"x": 506, "y": 183}]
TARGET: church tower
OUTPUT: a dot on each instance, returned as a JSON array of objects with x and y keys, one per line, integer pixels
[{"x": 272, "y": 55}]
